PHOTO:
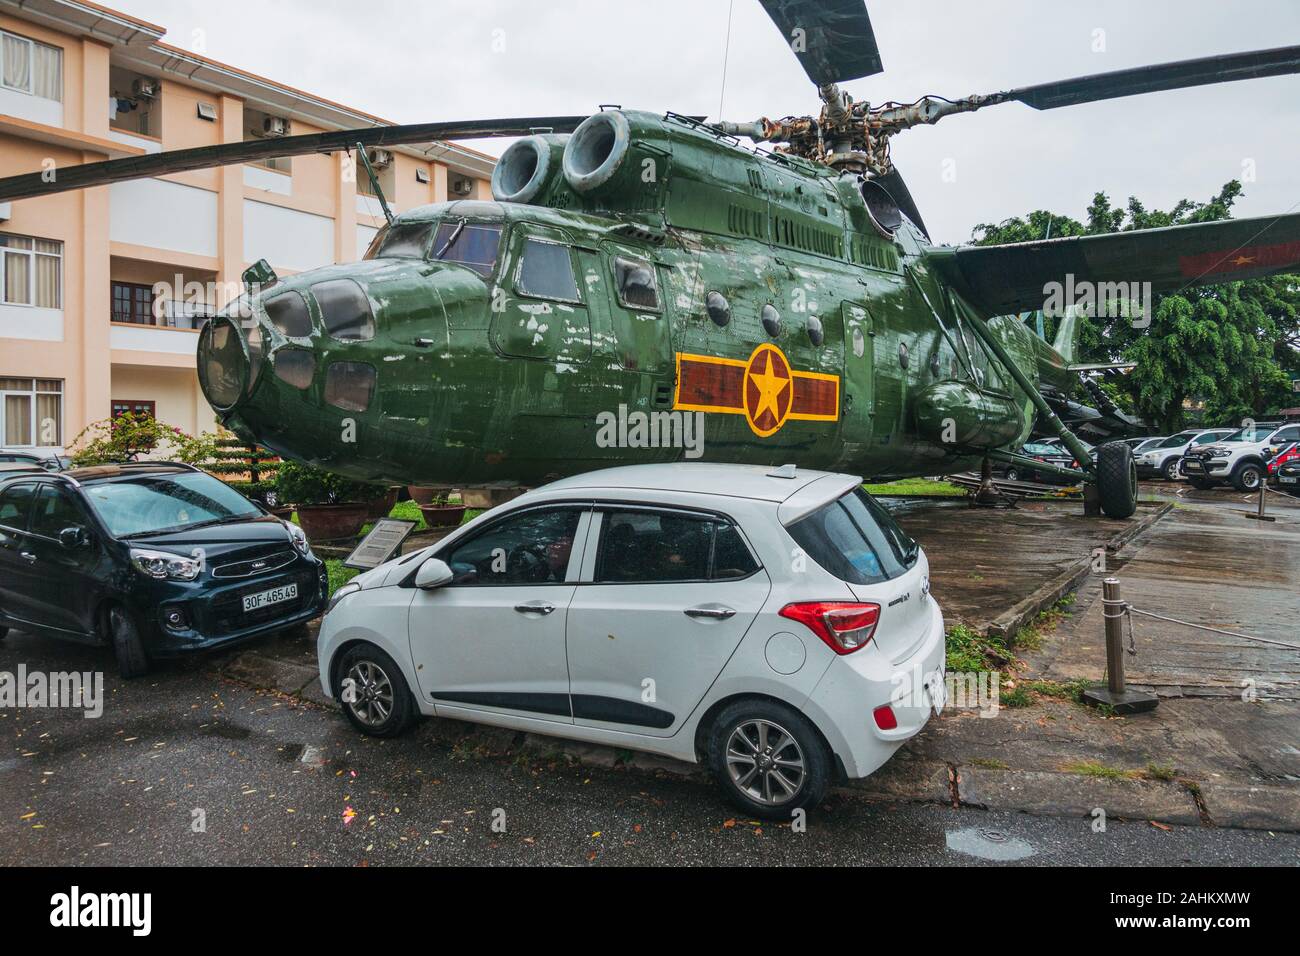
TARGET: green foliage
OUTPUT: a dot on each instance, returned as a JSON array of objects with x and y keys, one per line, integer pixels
[
  {"x": 917, "y": 486},
  {"x": 128, "y": 436},
  {"x": 302, "y": 484},
  {"x": 1234, "y": 346}
]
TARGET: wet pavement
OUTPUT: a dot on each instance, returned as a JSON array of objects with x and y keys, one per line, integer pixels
[
  {"x": 274, "y": 782},
  {"x": 244, "y": 744}
]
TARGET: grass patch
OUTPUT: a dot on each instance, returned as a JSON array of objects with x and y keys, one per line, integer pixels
[
  {"x": 1014, "y": 696},
  {"x": 967, "y": 649},
  {"x": 339, "y": 575},
  {"x": 1058, "y": 690},
  {"x": 1093, "y": 768},
  {"x": 917, "y": 486},
  {"x": 990, "y": 763}
]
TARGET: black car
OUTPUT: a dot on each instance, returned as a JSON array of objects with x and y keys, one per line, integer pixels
[
  {"x": 14, "y": 456},
  {"x": 158, "y": 560}
]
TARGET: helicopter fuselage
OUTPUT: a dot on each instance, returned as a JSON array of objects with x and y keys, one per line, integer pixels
[{"x": 702, "y": 301}]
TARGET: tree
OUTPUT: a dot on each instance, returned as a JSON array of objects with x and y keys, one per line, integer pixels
[{"x": 1234, "y": 346}]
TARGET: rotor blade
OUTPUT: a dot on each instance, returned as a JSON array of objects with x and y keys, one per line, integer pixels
[
  {"x": 229, "y": 154},
  {"x": 833, "y": 39},
  {"x": 1164, "y": 76}
]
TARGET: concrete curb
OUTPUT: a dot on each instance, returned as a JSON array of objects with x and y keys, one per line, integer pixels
[{"x": 1009, "y": 622}]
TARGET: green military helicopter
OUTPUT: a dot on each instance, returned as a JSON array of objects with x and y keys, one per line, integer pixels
[{"x": 644, "y": 288}]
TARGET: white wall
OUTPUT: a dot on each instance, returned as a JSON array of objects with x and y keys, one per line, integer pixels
[
  {"x": 286, "y": 237},
  {"x": 259, "y": 177},
  {"x": 165, "y": 215},
  {"x": 365, "y": 236},
  {"x": 34, "y": 108},
  {"x": 146, "y": 338},
  {"x": 24, "y": 322}
]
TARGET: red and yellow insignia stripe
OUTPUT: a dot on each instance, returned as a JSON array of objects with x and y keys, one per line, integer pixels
[{"x": 764, "y": 388}]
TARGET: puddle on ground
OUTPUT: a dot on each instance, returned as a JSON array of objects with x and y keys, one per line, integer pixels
[{"x": 985, "y": 843}]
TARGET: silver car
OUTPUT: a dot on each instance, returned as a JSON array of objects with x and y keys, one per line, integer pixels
[{"x": 774, "y": 624}]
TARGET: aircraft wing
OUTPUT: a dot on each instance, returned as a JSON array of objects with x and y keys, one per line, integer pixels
[{"x": 1007, "y": 279}]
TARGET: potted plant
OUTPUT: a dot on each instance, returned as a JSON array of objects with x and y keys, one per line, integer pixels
[
  {"x": 422, "y": 496},
  {"x": 441, "y": 513},
  {"x": 330, "y": 507},
  {"x": 381, "y": 506}
]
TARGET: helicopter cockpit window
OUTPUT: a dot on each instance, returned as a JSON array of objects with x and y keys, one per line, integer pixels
[
  {"x": 345, "y": 309},
  {"x": 475, "y": 245},
  {"x": 546, "y": 271},
  {"x": 401, "y": 240},
  {"x": 637, "y": 286},
  {"x": 288, "y": 313}
]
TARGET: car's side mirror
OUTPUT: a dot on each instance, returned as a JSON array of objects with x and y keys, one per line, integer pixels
[
  {"x": 432, "y": 575},
  {"x": 72, "y": 538}
]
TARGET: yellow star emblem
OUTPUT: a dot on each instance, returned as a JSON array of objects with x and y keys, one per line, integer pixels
[
  {"x": 1243, "y": 260},
  {"x": 770, "y": 388}
]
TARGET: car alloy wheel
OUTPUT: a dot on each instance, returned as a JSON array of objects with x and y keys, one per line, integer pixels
[
  {"x": 765, "y": 762},
  {"x": 373, "y": 695},
  {"x": 1248, "y": 478}
]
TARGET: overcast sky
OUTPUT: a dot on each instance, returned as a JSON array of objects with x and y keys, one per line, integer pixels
[{"x": 427, "y": 60}]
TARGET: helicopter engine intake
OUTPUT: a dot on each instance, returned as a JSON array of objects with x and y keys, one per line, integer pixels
[
  {"x": 528, "y": 168},
  {"x": 596, "y": 150}
]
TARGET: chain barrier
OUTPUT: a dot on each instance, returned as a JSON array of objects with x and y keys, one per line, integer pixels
[{"x": 1130, "y": 610}]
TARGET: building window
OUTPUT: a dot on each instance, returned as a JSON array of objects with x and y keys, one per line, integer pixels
[
  {"x": 133, "y": 303},
  {"x": 32, "y": 272},
  {"x": 139, "y": 410},
  {"x": 30, "y": 67},
  {"x": 31, "y": 412}
]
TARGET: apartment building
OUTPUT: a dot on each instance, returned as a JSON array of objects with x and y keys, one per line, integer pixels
[{"x": 103, "y": 291}]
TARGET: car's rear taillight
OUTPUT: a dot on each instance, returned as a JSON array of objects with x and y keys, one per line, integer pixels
[{"x": 844, "y": 627}]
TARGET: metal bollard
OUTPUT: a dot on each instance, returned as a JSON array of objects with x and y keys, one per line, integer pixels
[
  {"x": 1263, "y": 490},
  {"x": 1116, "y": 694}
]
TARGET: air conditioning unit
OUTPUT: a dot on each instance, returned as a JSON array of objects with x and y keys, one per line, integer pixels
[
  {"x": 145, "y": 88},
  {"x": 275, "y": 126},
  {"x": 6, "y": 213},
  {"x": 380, "y": 158},
  {"x": 462, "y": 187}
]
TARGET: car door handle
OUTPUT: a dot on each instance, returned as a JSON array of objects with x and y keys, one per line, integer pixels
[
  {"x": 535, "y": 607},
  {"x": 712, "y": 612},
  {"x": 27, "y": 556}
]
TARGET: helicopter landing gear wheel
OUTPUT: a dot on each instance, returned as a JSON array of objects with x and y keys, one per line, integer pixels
[{"x": 1117, "y": 483}]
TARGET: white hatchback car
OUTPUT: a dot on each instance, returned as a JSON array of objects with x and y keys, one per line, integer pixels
[{"x": 776, "y": 624}]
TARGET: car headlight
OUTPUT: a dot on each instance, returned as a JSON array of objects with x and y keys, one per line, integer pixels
[
  {"x": 299, "y": 539},
  {"x": 164, "y": 565},
  {"x": 350, "y": 588}
]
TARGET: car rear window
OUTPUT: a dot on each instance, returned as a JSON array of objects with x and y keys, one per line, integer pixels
[{"x": 856, "y": 540}]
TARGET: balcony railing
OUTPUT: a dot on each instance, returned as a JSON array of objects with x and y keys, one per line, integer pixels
[{"x": 167, "y": 314}]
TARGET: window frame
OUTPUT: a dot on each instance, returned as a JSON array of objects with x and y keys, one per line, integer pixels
[
  {"x": 135, "y": 289},
  {"x": 63, "y": 489},
  {"x": 31, "y": 255},
  {"x": 577, "y": 556},
  {"x": 525, "y": 238},
  {"x": 32, "y": 44},
  {"x": 32, "y": 393},
  {"x": 503, "y": 237},
  {"x": 614, "y": 258},
  {"x": 603, "y": 508}
]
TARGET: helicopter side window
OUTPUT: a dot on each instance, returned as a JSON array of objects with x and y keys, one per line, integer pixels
[
  {"x": 349, "y": 386},
  {"x": 546, "y": 271},
  {"x": 401, "y": 240},
  {"x": 637, "y": 285},
  {"x": 474, "y": 245}
]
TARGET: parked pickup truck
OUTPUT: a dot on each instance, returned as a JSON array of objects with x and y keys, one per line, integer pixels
[{"x": 1241, "y": 458}]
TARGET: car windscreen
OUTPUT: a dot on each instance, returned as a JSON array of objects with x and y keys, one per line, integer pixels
[
  {"x": 856, "y": 539},
  {"x": 1251, "y": 433},
  {"x": 472, "y": 244},
  {"x": 1176, "y": 441},
  {"x": 150, "y": 504}
]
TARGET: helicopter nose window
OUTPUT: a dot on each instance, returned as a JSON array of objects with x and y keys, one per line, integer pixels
[
  {"x": 637, "y": 287},
  {"x": 401, "y": 240},
  {"x": 473, "y": 245},
  {"x": 546, "y": 271},
  {"x": 288, "y": 313},
  {"x": 345, "y": 309},
  {"x": 295, "y": 367},
  {"x": 349, "y": 386}
]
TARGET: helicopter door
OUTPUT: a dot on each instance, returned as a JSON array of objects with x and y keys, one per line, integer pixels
[
  {"x": 859, "y": 401},
  {"x": 541, "y": 312},
  {"x": 641, "y": 324}
]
